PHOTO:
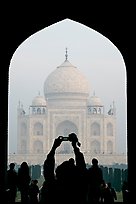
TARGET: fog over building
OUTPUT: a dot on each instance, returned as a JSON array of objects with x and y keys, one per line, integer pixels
[{"x": 67, "y": 105}]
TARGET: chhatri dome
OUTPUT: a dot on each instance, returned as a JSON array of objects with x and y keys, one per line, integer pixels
[
  {"x": 66, "y": 79},
  {"x": 39, "y": 101},
  {"x": 95, "y": 101}
]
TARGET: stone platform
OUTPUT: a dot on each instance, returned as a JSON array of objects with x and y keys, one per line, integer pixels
[{"x": 104, "y": 159}]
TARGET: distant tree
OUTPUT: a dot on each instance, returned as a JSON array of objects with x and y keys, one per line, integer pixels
[
  {"x": 117, "y": 179},
  {"x": 105, "y": 173},
  {"x": 36, "y": 171},
  {"x": 111, "y": 176},
  {"x": 124, "y": 175}
]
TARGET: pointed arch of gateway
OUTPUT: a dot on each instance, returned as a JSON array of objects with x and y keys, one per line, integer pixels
[
  {"x": 64, "y": 128},
  {"x": 27, "y": 29},
  {"x": 109, "y": 147},
  {"x": 38, "y": 128},
  {"x": 38, "y": 147},
  {"x": 95, "y": 147},
  {"x": 67, "y": 126},
  {"x": 95, "y": 129}
]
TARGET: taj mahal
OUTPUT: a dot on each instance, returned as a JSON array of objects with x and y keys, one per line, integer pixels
[{"x": 67, "y": 105}]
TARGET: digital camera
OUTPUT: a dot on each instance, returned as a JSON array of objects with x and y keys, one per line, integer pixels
[
  {"x": 72, "y": 137},
  {"x": 64, "y": 138}
]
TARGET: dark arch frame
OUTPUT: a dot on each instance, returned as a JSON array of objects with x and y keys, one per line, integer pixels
[{"x": 16, "y": 29}]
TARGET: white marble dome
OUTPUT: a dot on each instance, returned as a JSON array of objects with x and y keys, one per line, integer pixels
[
  {"x": 95, "y": 101},
  {"x": 39, "y": 101},
  {"x": 66, "y": 78}
]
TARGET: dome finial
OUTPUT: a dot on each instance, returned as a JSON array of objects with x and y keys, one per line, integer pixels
[{"x": 66, "y": 55}]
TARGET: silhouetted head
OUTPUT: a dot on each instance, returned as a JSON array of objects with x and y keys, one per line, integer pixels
[
  {"x": 94, "y": 161},
  {"x": 62, "y": 170},
  {"x": 71, "y": 161},
  {"x": 103, "y": 183},
  {"x": 35, "y": 181},
  {"x": 24, "y": 164},
  {"x": 12, "y": 165},
  {"x": 66, "y": 170}
]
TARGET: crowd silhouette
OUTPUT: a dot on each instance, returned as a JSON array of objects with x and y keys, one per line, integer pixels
[
  {"x": 108, "y": 193},
  {"x": 70, "y": 182}
]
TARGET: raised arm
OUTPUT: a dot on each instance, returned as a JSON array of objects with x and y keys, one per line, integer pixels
[
  {"x": 79, "y": 157},
  {"x": 49, "y": 163}
]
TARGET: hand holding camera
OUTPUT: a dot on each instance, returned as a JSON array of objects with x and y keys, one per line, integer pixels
[
  {"x": 72, "y": 137},
  {"x": 57, "y": 142}
]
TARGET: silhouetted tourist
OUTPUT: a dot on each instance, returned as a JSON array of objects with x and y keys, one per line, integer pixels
[
  {"x": 33, "y": 192},
  {"x": 95, "y": 178},
  {"x": 112, "y": 193},
  {"x": 12, "y": 182},
  {"x": 66, "y": 184},
  {"x": 43, "y": 191},
  {"x": 125, "y": 192},
  {"x": 23, "y": 182},
  {"x": 108, "y": 193}
]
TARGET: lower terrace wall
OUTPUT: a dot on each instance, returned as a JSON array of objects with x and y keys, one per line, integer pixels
[{"x": 104, "y": 159}]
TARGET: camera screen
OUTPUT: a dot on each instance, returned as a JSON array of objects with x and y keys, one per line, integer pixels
[{"x": 65, "y": 139}]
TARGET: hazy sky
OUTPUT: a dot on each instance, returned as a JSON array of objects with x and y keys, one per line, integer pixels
[{"x": 96, "y": 57}]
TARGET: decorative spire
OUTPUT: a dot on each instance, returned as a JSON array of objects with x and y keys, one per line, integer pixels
[
  {"x": 114, "y": 107},
  {"x": 38, "y": 93},
  {"x": 66, "y": 55},
  {"x": 113, "y": 103}
]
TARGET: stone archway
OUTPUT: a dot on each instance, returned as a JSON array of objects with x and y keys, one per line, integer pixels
[
  {"x": 22, "y": 31},
  {"x": 64, "y": 128},
  {"x": 95, "y": 147}
]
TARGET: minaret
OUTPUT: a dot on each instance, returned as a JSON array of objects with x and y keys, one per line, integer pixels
[
  {"x": 20, "y": 109},
  {"x": 66, "y": 55},
  {"x": 114, "y": 108}
]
